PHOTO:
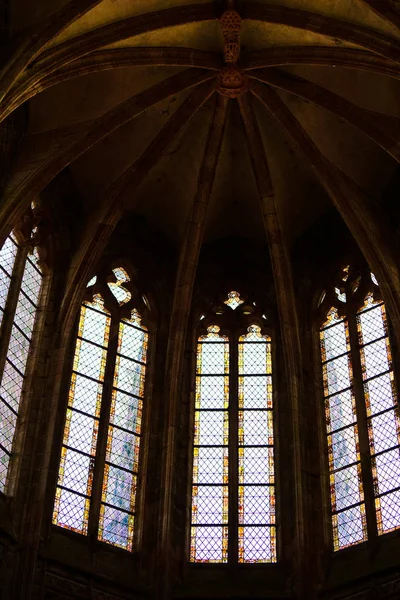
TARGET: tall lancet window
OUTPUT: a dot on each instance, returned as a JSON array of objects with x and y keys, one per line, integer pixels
[
  {"x": 99, "y": 467},
  {"x": 361, "y": 408},
  {"x": 233, "y": 484},
  {"x": 20, "y": 285}
]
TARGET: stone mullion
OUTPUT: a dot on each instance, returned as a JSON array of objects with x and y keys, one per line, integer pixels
[
  {"x": 363, "y": 438},
  {"x": 316, "y": 434},
  {"x": 101, "y": 447},
  {"x": 11, "y": 304},
  {"x": 233, "y": 452}
]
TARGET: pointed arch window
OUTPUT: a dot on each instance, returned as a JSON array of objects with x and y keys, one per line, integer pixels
[
  {"x": 99, "y": 467},
  {"x": 20, "y": 286},
  {"x": 361, "y": 408},
  {"x": 233, "y": 484}
]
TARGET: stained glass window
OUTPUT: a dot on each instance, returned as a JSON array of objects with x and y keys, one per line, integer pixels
[
  {"x": 123, "y": 443},
  {"x": 233, "y": 486},
  {"x": 361, "y": 412},
  {"x": 75, "y": 477},
  {"x": 257, "y": 539},
  {"x": 209, "y": 534},
  {"x": 234, "y": 300},
  {"x": 20, "y": 284},
  {"x": 95, "y": 463},
  {"x": 382, "y": 412},
  {"x": 347, "y": 492}
]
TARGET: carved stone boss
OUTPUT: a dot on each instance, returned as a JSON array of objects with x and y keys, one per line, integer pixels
[{"x": 232, "y": 81}]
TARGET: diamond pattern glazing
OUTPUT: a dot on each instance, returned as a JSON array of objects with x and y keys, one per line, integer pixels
[
  {"x": 209, "y": 536},
  {"x": 75, "y": 477},
  {"x": 117, "y": 514},
  {"x": 346, "y": 486},
  {"x": 256, "y": 491},
  {"x": 12, "y": 378},
  {"x": 382, "y": 411}
]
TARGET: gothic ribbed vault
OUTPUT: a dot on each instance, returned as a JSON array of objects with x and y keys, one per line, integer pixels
[
  {"x": 209, "y": 120},
  {"x": 125, "y": 96}
]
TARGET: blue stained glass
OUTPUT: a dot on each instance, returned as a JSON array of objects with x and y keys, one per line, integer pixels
[
  {"x": 349, "y": 526},
  {"x": 123, "y": 445}
]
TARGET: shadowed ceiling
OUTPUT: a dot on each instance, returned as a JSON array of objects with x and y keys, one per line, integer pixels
[{"x": 127, "y": 94}]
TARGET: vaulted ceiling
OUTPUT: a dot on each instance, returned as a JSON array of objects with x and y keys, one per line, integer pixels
[{"x": 131, "y": 95}]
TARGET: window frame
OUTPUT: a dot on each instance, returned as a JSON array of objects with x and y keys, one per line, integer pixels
[
  {"x": 349, "y": 311},
  {"x": 117, "y": 314},
  {"x": 234, "y": 324}
]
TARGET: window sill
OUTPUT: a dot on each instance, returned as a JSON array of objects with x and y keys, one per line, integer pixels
[
  {"x": 91, "y": 557},
  {"x": 366, "y": 560},
  {"x": 213, "y": 580}
]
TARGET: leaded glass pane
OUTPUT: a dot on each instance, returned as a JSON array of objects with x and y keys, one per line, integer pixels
[
  {"x": 75, "y": 476},
  {"x": 11, "y": 385},
  {"x": 349, "y": 526},
  {"x": 209, "y": 544},
  {"x": 234, "y": 300},
  {"x": 383, "y": 418},
  {"x": 123, "y": 443},
  {"x": 256, "y": 492},
  {"x": 121, "y": 294},
  {"x": 346, "y": 486},
  {"x": 258, "y": 543},
  {"x": 387, "y": 509},
  {"x": 126, "y": 412},
  {"x": 118, "y": 526},
  {"x": 13, "y": 375},
  {"x": 209, "y": 532},
  {"x": 8, "y": 254}
]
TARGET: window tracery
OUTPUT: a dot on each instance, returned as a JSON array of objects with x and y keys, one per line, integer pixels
[
  {"x": 99, "y": 467},
  {"x": 233, "y": 485},
  {"x": 361, "y": 408},
  {"x": 20, "y": 286}
]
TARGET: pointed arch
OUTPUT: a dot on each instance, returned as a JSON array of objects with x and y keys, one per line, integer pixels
[
  {"x": 21, "y": 281},
  {"x": 97, "y": 487},
  {"x": 233, "y": 509},
  {"x": 361, "y": 408}
]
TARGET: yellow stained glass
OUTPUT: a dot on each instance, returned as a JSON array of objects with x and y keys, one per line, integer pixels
[
  {"x": 23, "y": 316},
  {"x": 382, "y": 411},
  {"x": 256, "y": 491},
  {"x": 75, "y": 476},
  {"x": 209, "y": 534},
  {"x": 346, "y": 486},
  {"x": 119, "y": 489}
]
